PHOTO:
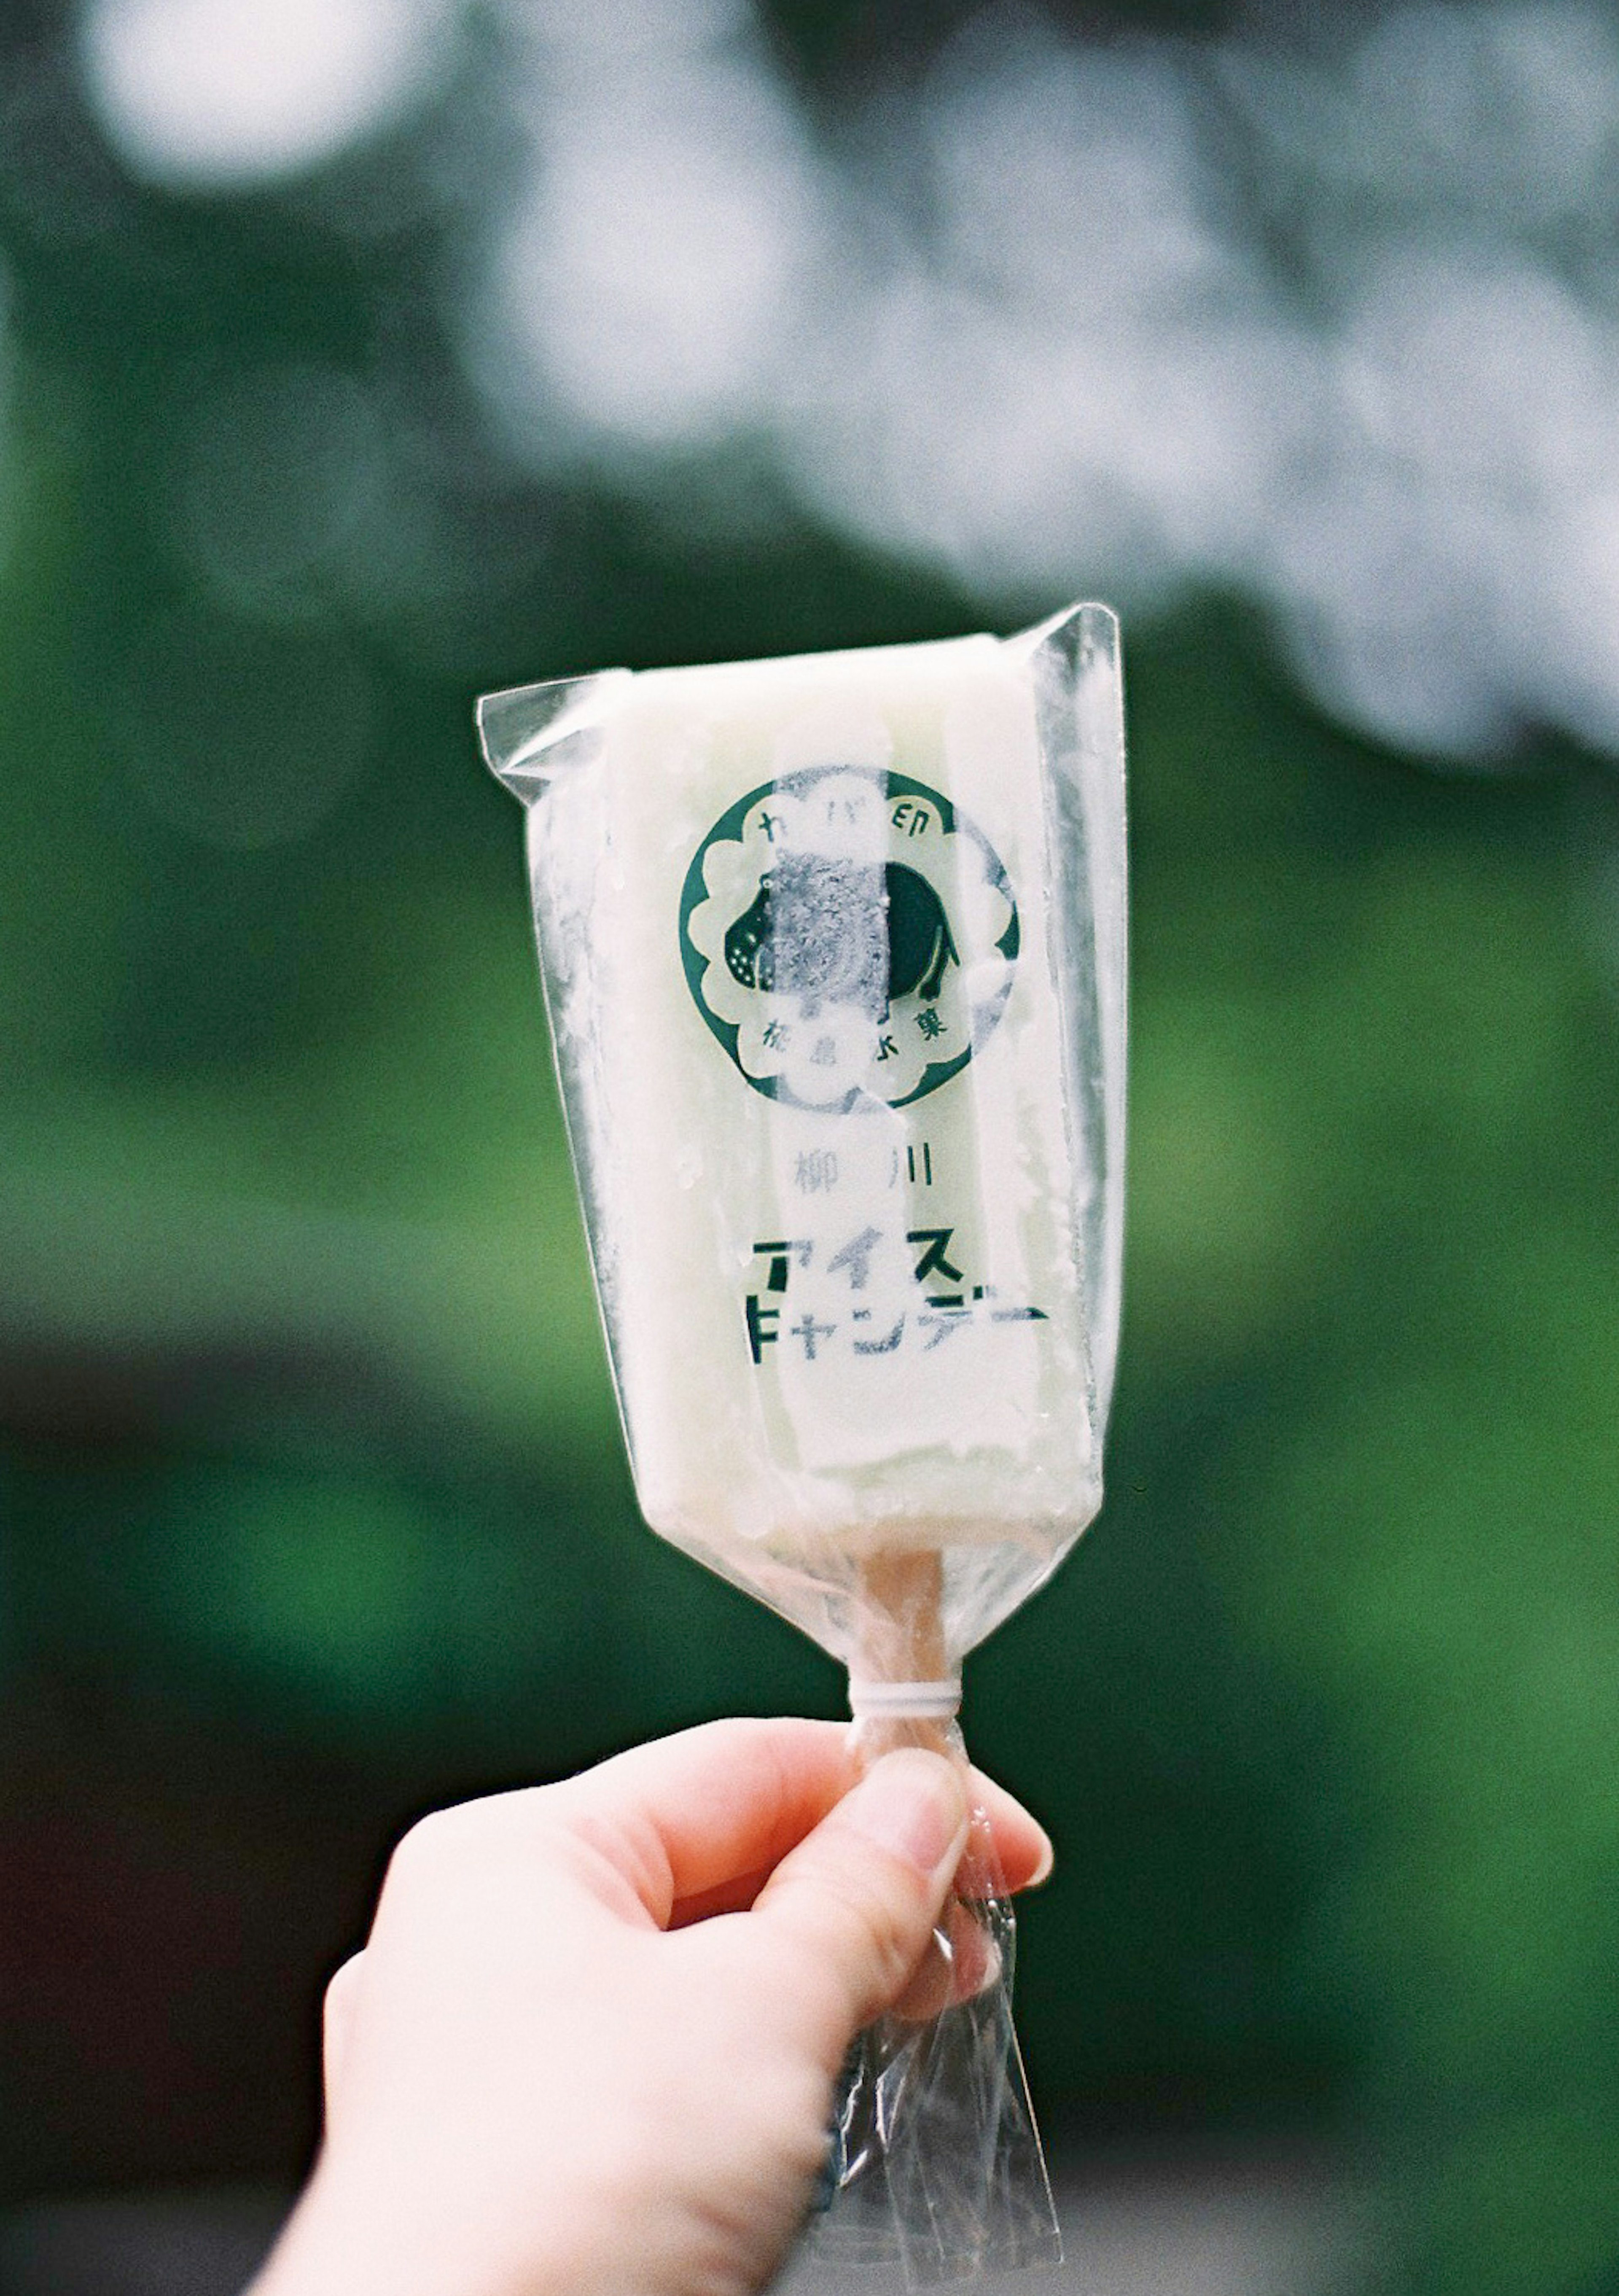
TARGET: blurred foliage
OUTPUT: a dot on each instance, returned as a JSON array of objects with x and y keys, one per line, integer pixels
[{"x": 307, "y": 1436}]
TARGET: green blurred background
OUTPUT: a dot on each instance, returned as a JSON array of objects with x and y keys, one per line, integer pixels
[{"x": 314, "y": 1510}]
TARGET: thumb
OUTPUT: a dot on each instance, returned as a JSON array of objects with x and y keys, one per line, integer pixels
[{"x": 855, "y": 1903}]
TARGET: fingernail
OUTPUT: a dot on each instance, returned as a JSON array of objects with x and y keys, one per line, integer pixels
[
  {"x": 1048, "y": 1858},
  {"x": 913, "y": 1804}
]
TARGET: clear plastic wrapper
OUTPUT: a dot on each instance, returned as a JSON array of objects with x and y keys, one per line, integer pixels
[{"x": 833, "y": 950}]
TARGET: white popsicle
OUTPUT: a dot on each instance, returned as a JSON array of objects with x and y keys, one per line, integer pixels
[{"x": 813, "y": 1002}]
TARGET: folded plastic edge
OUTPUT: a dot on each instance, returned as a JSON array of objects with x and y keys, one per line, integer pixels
[
  {"x": 1084, "y": 641},
  {"x": 528, "y": 733}
]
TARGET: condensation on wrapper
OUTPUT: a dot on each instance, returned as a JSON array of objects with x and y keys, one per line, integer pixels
[{"x": 833, "y": 954}]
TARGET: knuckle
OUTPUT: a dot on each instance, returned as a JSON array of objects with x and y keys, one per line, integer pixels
[
  {"x": 340, "y": 1988},
  {"x": 440, "y": 1844},
  {"x": 422, "y": 1847}
]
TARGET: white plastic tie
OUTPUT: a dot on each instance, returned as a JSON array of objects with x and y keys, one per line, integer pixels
[{"x": 933, "y": 1701}]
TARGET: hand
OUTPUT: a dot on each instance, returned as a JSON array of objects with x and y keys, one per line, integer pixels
[{"x": 590, "y": 2047}]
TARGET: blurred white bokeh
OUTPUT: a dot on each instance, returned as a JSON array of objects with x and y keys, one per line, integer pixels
[
  {"x": 1338, "y": 326},
  {"x": 1333, "y": 324},
  {"x": 226, "y": 92},
  {"x": 642, "y": 290}
]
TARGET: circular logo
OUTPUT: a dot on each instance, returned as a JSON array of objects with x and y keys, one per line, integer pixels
[{"x": 849, "y": 938}]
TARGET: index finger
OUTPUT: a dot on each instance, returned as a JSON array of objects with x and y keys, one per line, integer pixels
[{"x": 696, "y": 1823}]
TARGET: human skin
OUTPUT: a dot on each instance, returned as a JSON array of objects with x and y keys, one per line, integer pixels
[{"x": 590, "y": 2045}]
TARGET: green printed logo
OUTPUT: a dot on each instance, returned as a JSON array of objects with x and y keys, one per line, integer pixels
[{"x": 849, "y": 936}]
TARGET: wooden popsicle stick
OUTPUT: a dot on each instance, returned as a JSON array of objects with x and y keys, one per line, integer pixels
[
  {"x": 902, "y": 1639},
  {"x": 903, "y": 1617}
]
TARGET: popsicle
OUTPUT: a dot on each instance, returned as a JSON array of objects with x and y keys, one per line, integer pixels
[{"x": 827, "y": 982}]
